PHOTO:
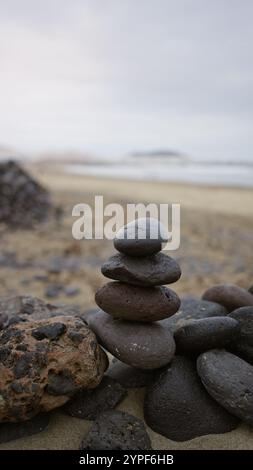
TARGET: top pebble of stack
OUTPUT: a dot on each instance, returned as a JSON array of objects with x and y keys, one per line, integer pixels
[{"x": 142, "y": 237}]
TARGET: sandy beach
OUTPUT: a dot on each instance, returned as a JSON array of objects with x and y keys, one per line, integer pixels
[{"x": 216, "y": 247}]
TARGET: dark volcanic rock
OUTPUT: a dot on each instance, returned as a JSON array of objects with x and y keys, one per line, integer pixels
[
  {"x": 87, "y": 404},
  {"x": 152, "y": 270},
  {"x": 115, "y": 430},
  {"x": 244, "y": 343},
  {"x": 207, "y": 333},
  {"x": 178, "y": 407},
  {"x": 130, "y": 377},
  {"x": 142, "y": 237},
  {"x": 24, "y": 307},
  {"x": 229, "y": 295},
  {"x": 52, "y": 331},
  {"x": 42, "y": 366},
  {"x": 193, "y": 309},
  {"x": 144, "y": 346},
  {"x": 251, "y": 289},
  {"x": 23, "y": 201},
  {"x": 137, "y": 303},
  {"x": 12, "y": 431},
  {"x": 229, "y": 380}
]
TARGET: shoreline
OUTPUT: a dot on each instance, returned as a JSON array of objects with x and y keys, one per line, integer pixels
[{"x": 222, "y": 200}]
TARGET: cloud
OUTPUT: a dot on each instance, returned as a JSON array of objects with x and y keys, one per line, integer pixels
[{"x": 111, "y": 76}]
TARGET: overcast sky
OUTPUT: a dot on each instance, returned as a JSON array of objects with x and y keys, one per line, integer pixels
[{"x": 112, "y": 76}]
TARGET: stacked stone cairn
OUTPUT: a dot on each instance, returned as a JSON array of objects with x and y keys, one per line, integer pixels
[
  {"x": 195, "y": 359},
  {"x": 136, "y": 300}
]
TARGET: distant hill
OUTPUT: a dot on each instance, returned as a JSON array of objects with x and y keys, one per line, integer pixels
[{"x": 158, "y": 153}]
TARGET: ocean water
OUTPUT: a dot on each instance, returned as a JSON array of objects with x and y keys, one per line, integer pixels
[{"x": 240, "y": 175}]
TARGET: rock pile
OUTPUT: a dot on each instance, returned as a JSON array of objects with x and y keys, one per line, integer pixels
[
  {"x": 132, "y": 305},
  {"x": 23, "y": 201},
  {"x": 204, "y": 388}
]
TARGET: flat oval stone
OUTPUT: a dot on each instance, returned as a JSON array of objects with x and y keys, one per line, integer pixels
[
  {"x": 144, "y": 346},
  {"x": 128, "y": 376},
  {"x": 229, "y": 295},
  {"x": 137, "y": 303},
  {"x": 244, "y": 342},
  {"x": 116, "y": 430},
  {"x": 178, "y": 407},
  {"x": 207, "y": 333},
  {"x": 193, "y": 309},
  {"x": 141, "y": 237},
  {"x": 229, "y": 380},
  {"x": 152, "y": 270}
]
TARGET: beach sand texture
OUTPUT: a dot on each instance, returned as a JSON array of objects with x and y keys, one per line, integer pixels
[{"x": 216, "y": 246}]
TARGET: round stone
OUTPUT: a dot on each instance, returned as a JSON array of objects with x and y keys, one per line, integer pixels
[
  {"x": 141, "y": 237},
  {"x": 152, "y": 270},
  {"x": 178, "y": 407},
  {"x": 87, "y": 404},
  {"x": 207, "y": 333},
  {"x": 129, "y": 377},
  {"x": 229, "y": 380},
  {"x": 251, "y": 289},
  {"x": 193, "y": 309},
  {"x": 146, "y": 304},
  {"x": 140, "y": 345},
  {"x": 229, "y": 295},
  {"x": 116, "y": 430},
  {"x": 244, "y": 342}
]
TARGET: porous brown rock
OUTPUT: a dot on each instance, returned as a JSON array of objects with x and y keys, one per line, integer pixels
[{"x": 44, "y": 363}]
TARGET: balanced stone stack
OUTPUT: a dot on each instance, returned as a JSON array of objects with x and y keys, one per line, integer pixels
[{"x": 132, "y": 305}]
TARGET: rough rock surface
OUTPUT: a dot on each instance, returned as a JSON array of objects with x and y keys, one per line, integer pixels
[
  {"x": 178, "y": 407},
  {"x": 128, "y": 376},
  {"x": 23, "y": 201},
  {"x": 141, "y": 237},
  {"x": 193, "y": 309},
  {"x": 87, "y": 404},
  {"x": 136, "y": 303},
  {"x": 144, "y": 346},
  {"x": 151, "y": 270},
  {"x": 229, "y": 380},
  {"x": 116, "y": 430},
  {"x": 12, "y": 431},
  {"x": 229, "y": 295},
  {"x": 243, "y": 346},
  {"x": 207, "y": 333},
  {"x": 43, "y": 363},
  {"x": 25, "y": 307}
]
